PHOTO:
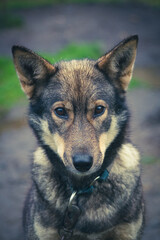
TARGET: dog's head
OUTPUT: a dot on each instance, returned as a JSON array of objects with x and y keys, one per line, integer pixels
[{"x": 77, "y": 108}]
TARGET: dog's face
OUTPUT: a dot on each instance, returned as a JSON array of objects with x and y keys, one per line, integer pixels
[
  {"x": 77, "y": 107},
  {"x": 80, "y": 112}
]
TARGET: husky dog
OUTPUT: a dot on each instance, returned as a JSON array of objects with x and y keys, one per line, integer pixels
[{"x": 86, "y": 182}]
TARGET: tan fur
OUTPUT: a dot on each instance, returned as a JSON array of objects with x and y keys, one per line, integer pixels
[
  {"x": 60, "y": 145},
  {"x": 43, "y": 166},
  {"x": 106, "y": 138},
  {"x": 53, "y": 140},
  {"x": 100, "y": 213},
  {"x": 129, "y": 156},
  {"x": 127, "y": 159},
  {"x": 40, "y": 158}
]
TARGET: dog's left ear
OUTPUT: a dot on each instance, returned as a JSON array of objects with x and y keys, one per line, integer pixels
[
  {"x": 119, "y": 62},
  {"x": 33, "y": 71}
]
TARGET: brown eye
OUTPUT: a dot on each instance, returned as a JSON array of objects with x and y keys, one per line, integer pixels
[
  {"x": 99, "y": 110},
  {"x": 61, "y": 112}
]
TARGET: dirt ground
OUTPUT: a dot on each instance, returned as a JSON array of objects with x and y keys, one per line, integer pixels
[{"x": 49, "y": 29}]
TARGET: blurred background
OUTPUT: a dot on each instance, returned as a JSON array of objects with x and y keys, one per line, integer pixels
[{"x": 76, "y": 29}]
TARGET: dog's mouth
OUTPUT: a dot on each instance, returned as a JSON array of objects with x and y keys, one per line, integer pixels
[{"x": 82, "y": 180}]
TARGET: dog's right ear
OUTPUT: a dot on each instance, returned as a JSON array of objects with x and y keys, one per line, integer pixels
[
  {"x": 119, "y": 62},
  {"x": 33, "y": 71}
]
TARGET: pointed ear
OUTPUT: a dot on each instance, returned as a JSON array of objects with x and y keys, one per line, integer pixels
[
  {"x": 33, "y": 71},
  {"x": 119, "y": 62}
]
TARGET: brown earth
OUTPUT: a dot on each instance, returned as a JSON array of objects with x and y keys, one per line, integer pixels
[{"x": 49, "y": 29}]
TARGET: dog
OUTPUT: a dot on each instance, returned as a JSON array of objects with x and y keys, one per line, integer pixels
[{"x": 86, "y": 176}]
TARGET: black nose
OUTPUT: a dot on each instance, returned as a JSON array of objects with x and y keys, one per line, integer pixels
[{"x": 82, "y": 162}]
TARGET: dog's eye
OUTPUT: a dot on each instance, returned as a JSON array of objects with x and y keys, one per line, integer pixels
[
  {"x": 99, "y": 110},
  {"x": 61, "y": 112}
]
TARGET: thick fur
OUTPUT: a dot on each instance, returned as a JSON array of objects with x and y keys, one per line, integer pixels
[{"x": 115, "y": 209}]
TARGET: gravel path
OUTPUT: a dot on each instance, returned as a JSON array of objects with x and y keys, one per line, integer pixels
[{"x": 49, "y": 29}]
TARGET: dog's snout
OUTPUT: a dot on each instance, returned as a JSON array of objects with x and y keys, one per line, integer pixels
[{"x": 82, "y": 162}]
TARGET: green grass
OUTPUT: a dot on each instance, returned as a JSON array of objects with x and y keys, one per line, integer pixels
[
  {"x": 10, "y": 90},
  {"x": 138, "y": 83},
  {"x": 74, "y": 51}
]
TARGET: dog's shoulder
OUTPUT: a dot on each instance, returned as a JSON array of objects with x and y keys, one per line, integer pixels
[{"x": 126, "y": 164}]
